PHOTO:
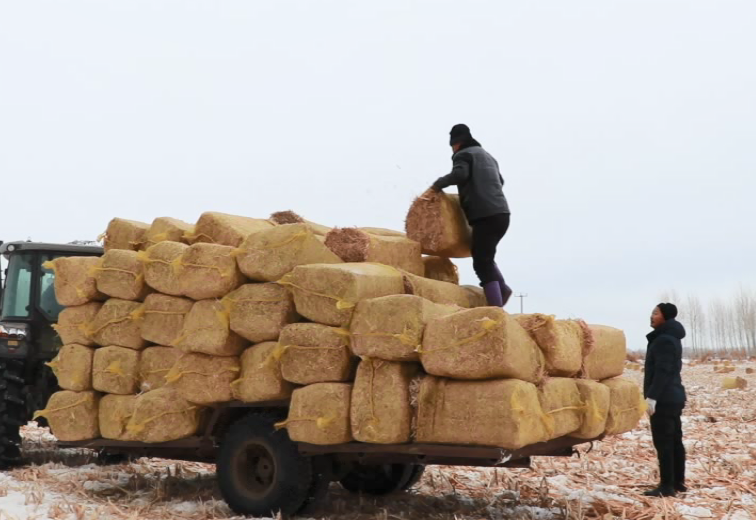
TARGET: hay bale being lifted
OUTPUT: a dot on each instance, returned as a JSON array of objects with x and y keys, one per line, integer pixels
[
  {"x": 72, "y": 416},
  {"x": 115, "y": 412},
  {"x": 73, "y": 367},
  {"x": 596, "y": 399},
  {"x": 319, "y": 414},
  {"x": 435, "y": 291},
  {"x": 118, "y": 323},
  {"x": 223, "y": 229},
  {"x": 162, "y": 264},
  {"x": 314, "y": 353},
  {"x": 203, "y": 379},
  {"x": 268, "y": 255},
  {"x": 382, "y": 232},
  {"x": 562, "y": 404},
  {"x": 626, "y": 406},
  {"x": 115, "y": 370},
  {"x": 154, "y": 365},
  {"x": 328, "y": 293},
  {"x": 121, "y": 275},
  {"x": 261, "y": 378},
  {"x": 75, "y": 282},
  {"x": 604, "y": 352},
  {"x": 206, "y": 331},
  {"x": 289, "y": 217},
  {"x": 74, "y": 323},
  {"x": 480, "y": 344},
  {"x": 163, "y": 318},
  {"x": 441, "y": 269},
  {"x": 391, "y": 327},
  {"x": 125, "y": 234},
  {"x": 355, "y": 245},
  {"x": 208, "y": 271},
  {"x": 162, "y": 415},
  {"x": 437, "y": 221},
  {"x": 258, "y": 311},
  {"x": 561, "y": 342},
  {"x": 166, "y": 229}
]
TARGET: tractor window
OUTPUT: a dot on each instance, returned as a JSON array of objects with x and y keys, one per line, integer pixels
[
  {"x": 48, "y": 304},
  {"x": 17, "y": 294}
]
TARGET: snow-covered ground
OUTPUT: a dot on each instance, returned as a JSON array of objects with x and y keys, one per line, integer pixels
[{"x": 605, "y": 482}]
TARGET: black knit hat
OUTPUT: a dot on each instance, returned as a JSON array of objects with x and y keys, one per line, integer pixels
[
  {"x": 459, "y": 133},
  {"x": 668, "y": 310}
]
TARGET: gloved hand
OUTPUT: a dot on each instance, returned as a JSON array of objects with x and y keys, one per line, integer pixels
[{"x": 651, "y": 406}]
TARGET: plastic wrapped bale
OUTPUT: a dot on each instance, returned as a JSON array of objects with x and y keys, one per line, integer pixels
[
  {"x": 499, "y": 412},
  {"x": 206, "y": 331},
  {"x": 163, "y": 318},
  {"x": 163, "y": 415},
  {"x": 561, "y": 342},
  {"x": 328, "y": 293},
  {"x": 261, "y": 378},
  {"x": 226, "y": 230},
  {"x": 258, "y": 312},
  {"x": 162, "y": 264},
  {"x": 355, "y": 245},
  {"x": 314, "y": 353},
  {"x": 75, "y": 280},
  {"x": 381, "y": 411},
  {"x": 115, "y": 412},
  {"x": 121, "y": 275},
  {"x": 268, "y": 255},
  {"x": 73, "y": 367},
  {"x": 596, "y": 398},
  {"x": 208, "y": 271},
  {"x": 74, "y": 323},
  {"x": 125, "y": 234},
  {"x": 604, "y": 352},
  {"x": 476, "y": 296},
  {"x": 203, "y": 379},
  {"x": 391, "y": 327},
  {"x": 626, "y": 406},
  {"x": 72, "y": 416},
  {"x": 166, "y": 229},
  {"x": 115, "y": 370},
  {"x": 289, "y": 217},
  {"x": 440, "y": 268},
  {"x": 436, "y": 291},
  {"x": 154, "y": 365},
  {"x": 562, "y": 404},
  {"x": 319, "y": 414},
  {"x": 437, "y": 221},
  {"x": 480, "y": 343},
  {"x": 118, "y": 323}
]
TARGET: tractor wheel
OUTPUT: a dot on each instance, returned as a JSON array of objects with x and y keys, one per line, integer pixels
[
  {"x": 13, "y": 413},
  {"x": 378, "y": 479},
  {"x": 417, "y": 473}
]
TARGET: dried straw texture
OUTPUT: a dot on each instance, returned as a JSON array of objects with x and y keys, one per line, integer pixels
[
  {"x": 381, "y": 411},
  {"x": 289, "y": 217},
  {"x": 391, "y": 327},
  {"x": 163, "y": 318},
  {"x": 121, "y": 275},
  {"x": 125, "y": 234},
  {"x": 604, "y": 351},
  {"x": 208, "y": 271},
  {"x": 314, "y": 353},
  {"x": 73, "y": 367},
  {"x": 115, "y": 370},
  {"x": 355, "y": 245},
  {"x": 115, "y": 412},
  {"x": 166, "y": 229},
  {"x": 203, "y": 379},
  {"x": 500, "y": 412},
  {"x": 439, "y": 224},
  {"x": 561, "y": 342},
  {"x": 383, "y": 232},
  {"x": 319, "y": 414},
  {"x": 261, "y": 378},
  {"x": 162, "y": 415},
  {"x": 475, "y": 296},
  {"x": 562, "y": 405},
  {"x": 441, "y": 269},
  {"x": 154, "y": 365},
  {"x": 74, "y": 323},
  {"x": 161, "y": 266},
  {"x": 258, "y": 312},
  {"x": 596, "y": 399},
  {"x": 328, "y": 293},
  {"x": 224, "y": 229},
  {"x": 435, "y": 291},
  {"x": 75, "y": 282},
  {"x": 480, "y": 344},
  {"x": 206, "y": 331},
  {"x": 268, "y": 255},
  {"x": 72, "y": 416},
  {"x": 626, "y": 406},
  {"x": 734, "y": 383},
  {"x": 118, "y": 323}
]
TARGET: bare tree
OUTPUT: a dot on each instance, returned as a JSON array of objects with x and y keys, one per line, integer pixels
[
  {"x": 696, "y": 322},
  {"x": 717, "y": 323},
  {"x": 744, "y": 313}
]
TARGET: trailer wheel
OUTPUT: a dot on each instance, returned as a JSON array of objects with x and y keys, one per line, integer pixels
[
  {"x": 378, "y": 479},
  {"x": 260, "y": 471},
  {"x": 417, "y": 473}
]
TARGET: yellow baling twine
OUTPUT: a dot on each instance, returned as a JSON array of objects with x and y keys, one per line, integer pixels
[
  {"x": 488, "y": 325},
  {"x": 135, "y": 428},
  {"x": 47, "y": 412}
]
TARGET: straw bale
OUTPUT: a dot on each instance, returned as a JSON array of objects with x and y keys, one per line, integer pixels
[
  {"x": 383, "y": 232},
  {"x": 749, "y": 370},
  {"x": 163, "y": 318},
  {"x": 626, "y": 406},
  {"x": 208, "y": 271},
  {"x": 203, "y": 379},
  {"x": 355, "y": 245},
  {"x": 476, "y": 296},
  {"x": 206, "y": 331},
  {"x": 74, "y": 323},
  {"x": 380, "y": 409},
  {"x": 162, "y": 415},
  {"x": 224, "y": 229},
  {"x": 724, "y": 370},
  {"x": 437, "y": 221},
  {"x": 319, "y": 414},
  {"x": 125, "y": 234},
  {"x": 436, "y": 291},
  {"x": 391, "y": 327},
  {"x": 261, "y": 378},
  {"x": 72, "y": 416},
  {"x": 314, "y": 353},
  {"x": 154, "y": 365},
  {"x": 498, "y": 412},
  {"x": 166, "y": 229},
  {"x": 604, "y": 351},
  {"x": 115, "y": 412},
  {"x": 118, "y": 323},
  {"x": 328, "y": 293},
  {"x": 734, "y": 383},
  {"x": 440, "y": 268},
  {"x": 563, "y": 405},
  {"x": 268, "y": 255},
  {"x": 162, "y": 264},
  {"x": 596, "y": 399},
  {"x": 480, "y": 344},
  {"x": 121, "y": 275},
  {"x": 73, "y": 367},
  {"x": 561, "y": 342},
  {"x": 115, "y": 370},
  {"x": 289, "y": 217},
  {"x": 259, "y": 311},
  {"x": 75, "y": 282}
]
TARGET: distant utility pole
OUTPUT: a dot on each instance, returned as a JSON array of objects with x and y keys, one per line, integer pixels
[{"x": 521, "y": 296}]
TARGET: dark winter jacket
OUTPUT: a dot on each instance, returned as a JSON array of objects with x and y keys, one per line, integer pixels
[
  {"x": 662, "y": 380},
  {"x": 476, "y": 174}
]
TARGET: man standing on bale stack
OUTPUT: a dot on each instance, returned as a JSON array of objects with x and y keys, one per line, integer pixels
[
  {"x": 476, "y": 174},
  {"x": 665, "y": 396}
]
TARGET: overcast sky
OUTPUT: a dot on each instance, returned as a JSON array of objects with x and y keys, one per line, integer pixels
[{"x": 625, "y": 130}]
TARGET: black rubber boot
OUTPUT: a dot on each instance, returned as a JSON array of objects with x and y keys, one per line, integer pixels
[{"x": 661, "y": 491}]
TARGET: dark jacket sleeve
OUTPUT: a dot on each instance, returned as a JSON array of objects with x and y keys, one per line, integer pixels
[
  {"x": 460, "y": 173},
  {"x": 664, "y": 368}
]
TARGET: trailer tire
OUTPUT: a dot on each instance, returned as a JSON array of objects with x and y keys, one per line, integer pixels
[
  {"x": 260, "y": 470},
  {"x": 378, "y": 479},
  {"x": 417, "y": 473}
]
